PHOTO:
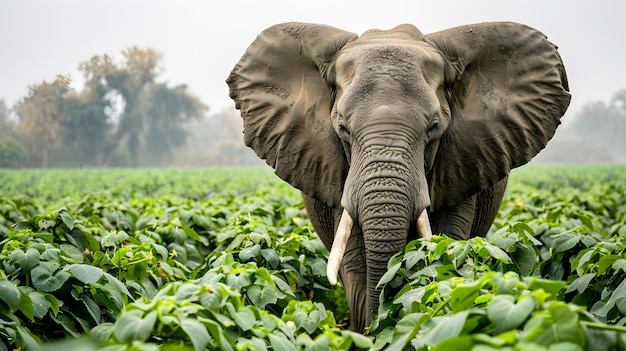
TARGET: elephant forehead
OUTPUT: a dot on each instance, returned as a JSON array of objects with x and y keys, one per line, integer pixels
[{"x": 413, "y": 58}]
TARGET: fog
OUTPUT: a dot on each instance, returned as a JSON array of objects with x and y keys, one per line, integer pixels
[{"x": 201, "y": 40}]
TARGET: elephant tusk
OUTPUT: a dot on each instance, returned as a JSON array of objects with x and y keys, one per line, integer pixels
[
  {"x": 423, "y": 226},
  {"x": 339, "y": 247}
]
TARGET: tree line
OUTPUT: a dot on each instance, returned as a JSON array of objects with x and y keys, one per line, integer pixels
[
  {"x": 122, "y": 117},
  {"x": 596, "y": 134},
  {"x": 125, "y": 117}
]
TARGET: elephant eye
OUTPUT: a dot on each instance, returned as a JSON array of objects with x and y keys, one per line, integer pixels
[
  {"x": 433, "y": 128},
  {"x": 342, "y": 129}
]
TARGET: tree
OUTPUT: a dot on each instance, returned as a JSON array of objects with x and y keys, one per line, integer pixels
[
  {"x": 13, "y": 153},
  {"x": 145, "y": 117},
  {"x": 6, "y": 126},
  {"x": 41, "y": 115},
  {"x": 86, "y": 132},
  {"x": 122, "y": 117},
  {"x": 596, "y": 135},
  {"x": 169, "y": 109},
  {"x": 604, "y": 125}
]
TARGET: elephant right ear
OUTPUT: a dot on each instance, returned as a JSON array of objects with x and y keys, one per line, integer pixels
[
  {"x": 285, "y": 101},
  {"x": 508, "y": 91}
]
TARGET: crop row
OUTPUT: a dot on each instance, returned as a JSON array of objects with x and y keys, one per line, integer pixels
[{"x": 227, "y": 259}]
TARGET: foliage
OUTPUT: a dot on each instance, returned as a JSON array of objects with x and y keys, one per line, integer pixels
[
  {"x": 122, "y": 117},
  {"x": 594, "y": 135},
  {"x": 13, "y": 153},
  {"x": 226, "y": 259},
  {"x": 41, "y": 116}
]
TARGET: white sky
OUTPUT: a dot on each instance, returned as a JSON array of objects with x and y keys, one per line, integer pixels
[{"x": 201, "y": 40}]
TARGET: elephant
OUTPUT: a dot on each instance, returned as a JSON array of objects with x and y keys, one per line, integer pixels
[{"x": 394, "y": 135}]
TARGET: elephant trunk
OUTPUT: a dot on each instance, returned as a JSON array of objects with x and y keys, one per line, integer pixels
[
  {"x": 385, "y": 219},
  {"x": 386, "y": 195}
]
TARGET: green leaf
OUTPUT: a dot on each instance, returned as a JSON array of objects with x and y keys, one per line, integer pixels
[
  {"x": 606, "y": 262},
  {"x": 91, "y": 306},
  {"x": 271, "y": 257},
  {"x": 262, "y": 295},
  {"x": 67, "y": 219},
  {"x": 26, "y": 304},
  {"x": 525, "y": 258},
  {"x": 26, "y": 260},
  {"x": 31, "y": 342},
  {"x": 220, "y": 338},
  {"x": 114, "y": 238},
  {"x": 41, "y": 305},
  {"x": 186, "y": 293},
  {"x": 102, "y": 332},
  {"x": 238, "y": 281},
  {"x": 196, "y": 331},
  {"x": 565, "y": 241},
  {"x": 411, "y": 258},
  {"x": 505, "y": 314},
  {"x": 280, "y": 342},
  {"x": 390, "y": 274},
  {"x": 565, "y": 346},
  {"x": 45, "y": 277},
  {"x": 253, "y": 343},
  {"x": 445, "y": 327},
  {"x": 581, "y": 283},
  {"x": 553, "y": 287},
  {"x": 620, "y": 264},
  {"x": 360, "y": 341},
  {"x": 117, "y": 284},
  {"x": 406, "y": 329},
  {"x": 498, "y": 253},
  {"x": 558, "y": 324},
  {"x": 308, "y": 322},
  {"x": 10, "y": 294},
  {"x": 192, "y": 233},
  {"x": 249, "y": 253},
  {"x": 463, "y": 295},
  {"x": 85, "y": 273},
  {"x": 321, "y": 343},
  {"x": 586, "y": 220},
  {"x": 72, "y": 253},
  {"x": 461, "y": 342},
  {"x": 133, "y": 325},
  {"x": 244, "y": 317}
]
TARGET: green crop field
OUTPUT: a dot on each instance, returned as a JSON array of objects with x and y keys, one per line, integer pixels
[{"x": 226, "y": 259}]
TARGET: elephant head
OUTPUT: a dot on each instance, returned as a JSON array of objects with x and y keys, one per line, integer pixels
[{"x": 394, "y": 124}]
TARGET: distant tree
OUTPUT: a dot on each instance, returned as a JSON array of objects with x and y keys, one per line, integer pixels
[
  {"x": 217, "y": 140},
  {"x": 6, "y": 125},
  {"x": 602, "y": 125},
  {"x": 13, "y": 152},
  {"x": 570, "y": 151},
  {"x": 597, "y": 134},
  {"x": 41, "y": 116},
  {"x": 144, "y": 117},
  {"x": 169, "y": 109},
  {"x": 86, "y": 133}
]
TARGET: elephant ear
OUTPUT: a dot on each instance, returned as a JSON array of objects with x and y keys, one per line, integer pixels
[
  {"x": 285, "y": 101},
  {"x": 508, "y": 91}
]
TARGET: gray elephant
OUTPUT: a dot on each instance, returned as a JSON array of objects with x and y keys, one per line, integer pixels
[{"x": 393, "y": 133}]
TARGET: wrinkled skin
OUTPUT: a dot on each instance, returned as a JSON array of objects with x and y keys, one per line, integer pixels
[{"x": 392, "y": 123}]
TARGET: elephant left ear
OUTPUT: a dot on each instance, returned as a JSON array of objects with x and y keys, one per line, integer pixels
[{"x": 508, "y": 91}]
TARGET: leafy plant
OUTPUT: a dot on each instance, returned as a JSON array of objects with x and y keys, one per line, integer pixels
[{"x": 216, "y": 259}]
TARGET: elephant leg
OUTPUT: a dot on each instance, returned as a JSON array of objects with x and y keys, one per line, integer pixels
[
  {"x": 472, "y": 217},
  {"x": 353, "y": 271},
  {"x": 487, "y": 205},
  {"x": 455, "y": 221}
]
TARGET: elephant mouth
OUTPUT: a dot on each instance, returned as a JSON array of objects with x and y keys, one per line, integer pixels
[{"x": 344, "y": 230}]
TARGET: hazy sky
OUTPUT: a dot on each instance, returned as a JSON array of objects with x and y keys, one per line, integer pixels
[{"x": 202, "y": 40}]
